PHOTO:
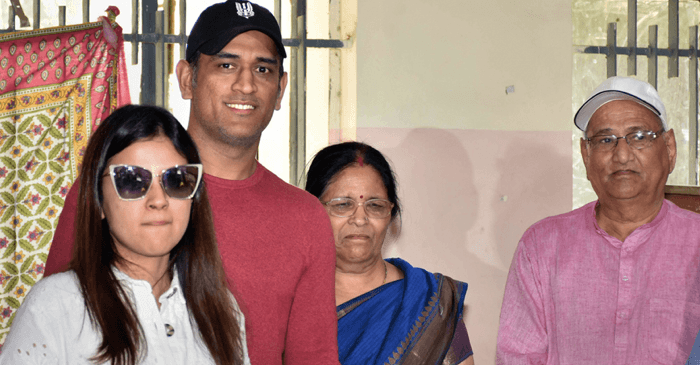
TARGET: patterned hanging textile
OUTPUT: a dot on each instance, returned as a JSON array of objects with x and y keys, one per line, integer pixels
[{"x": 56, "y": 86}]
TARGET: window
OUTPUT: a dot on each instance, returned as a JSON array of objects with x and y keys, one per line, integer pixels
[{"x": 591, "y": 19}]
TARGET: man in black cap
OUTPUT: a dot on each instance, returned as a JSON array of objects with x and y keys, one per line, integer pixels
[{"x": 275, "y": 240}]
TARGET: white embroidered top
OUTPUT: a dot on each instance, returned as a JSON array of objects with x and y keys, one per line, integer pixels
[{"x": 52, "y": 325}]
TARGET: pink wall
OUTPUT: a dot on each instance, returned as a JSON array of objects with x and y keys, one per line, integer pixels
[{"x": 468, "y": 196}]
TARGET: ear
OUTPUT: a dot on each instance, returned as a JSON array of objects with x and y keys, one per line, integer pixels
[
  {"x": 395, "y": 227},
  {"x": 184, "y": 79},
  {"x": 670, "y": 140},
  {"x": 585, "y": 154},
  {"x": 280, "y": 93}
]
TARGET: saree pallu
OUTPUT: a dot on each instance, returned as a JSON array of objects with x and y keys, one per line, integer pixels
[
  {"x": 56, "y": 86},
  {"x": 415, "y": 320}
]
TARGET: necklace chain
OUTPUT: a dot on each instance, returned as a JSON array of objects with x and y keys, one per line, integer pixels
[{"x": 386, "y": 272}]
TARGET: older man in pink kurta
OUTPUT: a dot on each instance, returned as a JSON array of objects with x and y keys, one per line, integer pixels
[{"x": 615, "y": 281}]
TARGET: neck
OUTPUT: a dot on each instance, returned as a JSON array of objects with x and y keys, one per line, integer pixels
[
  {"x": 226, "y": 161},
  {"x": 621, "y": 218},
  {"x": 354, "y": 279},
  {"x": 154, "y": 271}
]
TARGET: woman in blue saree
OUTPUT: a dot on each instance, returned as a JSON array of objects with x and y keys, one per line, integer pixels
[{"x": 388, "y": 311}]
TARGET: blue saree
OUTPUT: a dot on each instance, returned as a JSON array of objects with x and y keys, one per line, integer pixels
[{"x": 415, "y": 320}]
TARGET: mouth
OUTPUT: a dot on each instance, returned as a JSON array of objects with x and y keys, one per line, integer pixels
[
  {"x": 357, "y": 237},
  {"x": 623, "y": 173},
  {"x": 241, "y": 106},
  {"x": 156, "y": 223}
]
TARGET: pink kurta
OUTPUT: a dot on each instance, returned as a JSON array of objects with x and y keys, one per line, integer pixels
[{"x": 576, "y": 295}]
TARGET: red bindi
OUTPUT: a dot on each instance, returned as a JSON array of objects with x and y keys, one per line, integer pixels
[{"x": 362, "y": 196}]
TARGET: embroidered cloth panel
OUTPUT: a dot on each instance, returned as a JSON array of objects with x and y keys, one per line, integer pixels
[{"x": 56, "y": 86}]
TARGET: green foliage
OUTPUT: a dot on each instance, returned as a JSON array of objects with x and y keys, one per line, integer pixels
[
  {"x": 39, "y": 171},
  {"x": 9, "y": 233},
  {"x": 48, "y": 236},
  {"x": 27, "y": 264},
  {"x": 26, "y": 279},
  {"x": 44, "y": 120},
  {"x": 11, "y": 284},
  {"x": 56, "y": 167},
  {"x": 55, "y": 151},
  {"x": 25, "y": 141},
  {"x": 26, "y": 246},
  {"x": 10, "y": 249},
  {"x": 13, "y": 303},
  {"x": 10, "y": 268},
  {"x": 9, "y": 127},
  {"x": 8, "y": 162},
  {"x": 22, "y": 193},
  {"x": 8, "y": 144},
  {"x": 23, "y": 210},
  {"x": 40, "y": 154},
  {"x": 24, "y": 125},
  {"x": 57, "y": 200},
  {"x": 9, "y": 179},
  {"x": 41, "y": 189}
]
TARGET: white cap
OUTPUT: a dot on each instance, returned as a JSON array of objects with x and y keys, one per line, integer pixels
[{"x": 621, "y": 88}]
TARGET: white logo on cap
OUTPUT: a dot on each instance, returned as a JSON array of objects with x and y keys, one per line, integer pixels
[{"x": 245, "y": 10}]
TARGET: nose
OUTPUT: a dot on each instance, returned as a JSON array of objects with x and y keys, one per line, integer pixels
[
  {"x": 359, "y": 218},
  {"x": 622, "y": 153},
  {"x": 245, "y": 81},
  {"x": 156, "y": 197}
]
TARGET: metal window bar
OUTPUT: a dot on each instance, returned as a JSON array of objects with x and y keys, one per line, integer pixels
[
  {"x": 652, "y": 52},
  {"x": 154, "y": 38},
  {"x": 16, "y": 10}
]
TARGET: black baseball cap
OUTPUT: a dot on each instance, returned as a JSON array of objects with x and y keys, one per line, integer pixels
[{"x": 221, "y": 22}]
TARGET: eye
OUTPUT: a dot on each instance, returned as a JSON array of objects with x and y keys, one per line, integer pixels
[
  {"x": 263, "y": 69},
  {"x": 376, "y": 205},
  {"x": 604, "y": 140},
  {"x": 639, "y": 136},
  {"x": 342, "y": 204}
]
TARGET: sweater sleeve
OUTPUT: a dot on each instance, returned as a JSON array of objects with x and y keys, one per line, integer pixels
[
  {"x": 61, "y": 249},
  {"x": 312, "y": 334}
]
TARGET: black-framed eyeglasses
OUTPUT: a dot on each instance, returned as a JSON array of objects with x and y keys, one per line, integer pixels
[
  {"x": 637, "y": 140},
  {"x": 346, "y": 207},
  {"x": 133, "y": 182}
]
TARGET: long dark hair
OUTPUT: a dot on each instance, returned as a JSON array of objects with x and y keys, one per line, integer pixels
[
  {"x": 196, "y": 256},
  {"x": 333, "y": 159}
]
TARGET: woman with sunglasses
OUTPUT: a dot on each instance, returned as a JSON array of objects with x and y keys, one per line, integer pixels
[
  {"x": 146, "y": 284},
  {"x": 389, "y": 312}
]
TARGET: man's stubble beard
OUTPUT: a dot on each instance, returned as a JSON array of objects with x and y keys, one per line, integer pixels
[
  {"x": 220, "y": 135},
  {"x": 229, "y": 139}
]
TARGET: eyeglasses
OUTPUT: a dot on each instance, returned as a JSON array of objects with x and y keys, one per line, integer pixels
[
  {"x": 134, "y": 182},
  {"x": 346, "y": 207},
  {"x": 637, "y": 140}
]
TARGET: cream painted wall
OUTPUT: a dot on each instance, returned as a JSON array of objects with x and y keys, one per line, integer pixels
[
  {"x": 468, "y": 195},
  {"x": 447, "y": 64},
  {"x": 476, "y": 166}
]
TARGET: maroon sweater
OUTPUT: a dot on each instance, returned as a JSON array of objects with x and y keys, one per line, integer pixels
[{"x": 278, "y": 251}]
